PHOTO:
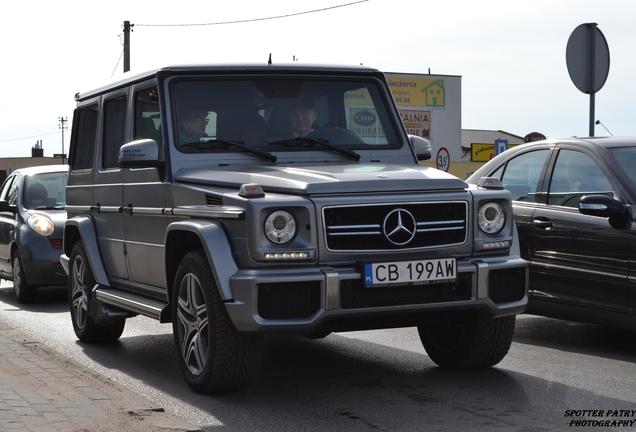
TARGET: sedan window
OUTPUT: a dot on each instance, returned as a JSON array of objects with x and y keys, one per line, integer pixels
[
  {"x": 626, "y": 157},
  {"x": 521, "y": 175},
  {"x": 45, "y": 191},
  {"x": 575, "y": 174},
  {"x": 5, "y": 188}
]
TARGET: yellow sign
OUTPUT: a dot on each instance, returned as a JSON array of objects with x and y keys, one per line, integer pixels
[
  {"x": 415, "y": 91},
  {"x": 483, "y": 152}
]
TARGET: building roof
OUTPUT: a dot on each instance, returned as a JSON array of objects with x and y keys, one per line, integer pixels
[{"x": 494, "y": 131}]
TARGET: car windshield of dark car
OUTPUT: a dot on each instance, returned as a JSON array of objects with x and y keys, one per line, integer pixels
[
  {"x": 626, "y": 157},
  {"x": 45, "y": 191},
  {"x": 275, "y": 114}
]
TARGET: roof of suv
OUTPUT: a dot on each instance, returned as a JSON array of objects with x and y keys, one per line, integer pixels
[{"x": 239, "y": 67}]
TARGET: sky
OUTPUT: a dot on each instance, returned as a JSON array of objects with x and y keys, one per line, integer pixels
[{"x": 510, "y": 54}]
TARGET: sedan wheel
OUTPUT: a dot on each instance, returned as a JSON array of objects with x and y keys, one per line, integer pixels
[{"x": 24, "y": 293}]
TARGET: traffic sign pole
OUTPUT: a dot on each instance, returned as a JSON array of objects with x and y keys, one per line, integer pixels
[{"x": 591, "y": 27}]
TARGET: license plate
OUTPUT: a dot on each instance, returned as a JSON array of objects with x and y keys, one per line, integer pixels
[{"x": 405, "y": 272}]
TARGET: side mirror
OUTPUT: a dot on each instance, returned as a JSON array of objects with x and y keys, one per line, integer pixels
[
  {"x": 421, "y": 147},
  {"x": 143, "y": 153},
  {"x": 603, "y": 206},
  {"x": 5, "y": 207}
]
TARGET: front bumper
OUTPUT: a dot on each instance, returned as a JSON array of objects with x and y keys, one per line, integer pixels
[
  {"x": 314, "y": 300},
  {"x": 41, "y": 263}
]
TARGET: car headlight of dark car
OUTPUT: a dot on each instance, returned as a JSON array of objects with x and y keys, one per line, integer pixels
[
  {"x": 41, "y": 224},
  {"x": 492, "y": 218}
]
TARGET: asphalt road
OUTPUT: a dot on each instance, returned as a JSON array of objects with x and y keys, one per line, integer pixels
[{"x": 364, "y": 381}]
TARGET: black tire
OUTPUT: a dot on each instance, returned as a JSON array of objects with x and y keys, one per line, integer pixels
[
  {"x": 462, "y": 340},
  {"x": 81, "y": 303},
  {"x": 24, "y": 292},
  {"x": 213, "y": 356}
]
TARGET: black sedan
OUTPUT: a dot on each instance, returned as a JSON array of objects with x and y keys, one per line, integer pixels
[
  {"x": 32, "y": 220},
  {"x": 573, "y": 203}
]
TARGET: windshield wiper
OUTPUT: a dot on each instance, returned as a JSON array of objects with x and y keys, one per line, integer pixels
[
  {"x": 299, "y": 141},
  {"x": 214, "y": 143},
  {"x": 57, "y": 207}
]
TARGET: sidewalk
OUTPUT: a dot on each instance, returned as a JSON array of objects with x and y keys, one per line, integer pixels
[{"x": 42, "y": 391}]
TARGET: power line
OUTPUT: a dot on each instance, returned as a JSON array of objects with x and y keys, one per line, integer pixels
[
  {"x": 254, "y": 19},
  {"x": 27, "y": 137},
  {"x": 115, "y": 68}
]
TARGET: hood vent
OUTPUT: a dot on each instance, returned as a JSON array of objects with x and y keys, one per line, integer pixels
[{"x": 213, "y": 199}]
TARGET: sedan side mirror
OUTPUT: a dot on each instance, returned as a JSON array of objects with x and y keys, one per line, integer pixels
[
  {"x": 5, "y": 207},
  {"x": 603, "y": 206},
  {"x": 143, "y": 153},
  {"x": 421, "y": 147}
]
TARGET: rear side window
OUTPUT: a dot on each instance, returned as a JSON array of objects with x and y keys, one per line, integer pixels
[
  {"x": 147, "y": 115},
  {"x": 114, "y": 130},
  {"x": 521, "y": 175},
  {"x": 84, "y": 134}
]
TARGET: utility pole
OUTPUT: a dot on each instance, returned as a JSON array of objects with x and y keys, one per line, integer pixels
[
  {"x": 127, "y": 29},
  {"x": 62, "y": 126}
]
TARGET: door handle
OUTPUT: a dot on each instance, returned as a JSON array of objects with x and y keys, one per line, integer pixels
[
  {"x": 128, "y": 209},
  {"x": 542, "y": 223}
]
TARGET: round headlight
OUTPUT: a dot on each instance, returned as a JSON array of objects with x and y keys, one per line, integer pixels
[
  {"x": 492, "y": 218},
  {"x": 280, "y": 227},
  {"x": 41, "y": 224}
]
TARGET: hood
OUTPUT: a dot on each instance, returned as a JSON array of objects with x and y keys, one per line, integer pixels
[{"x": 325, "y": 179}]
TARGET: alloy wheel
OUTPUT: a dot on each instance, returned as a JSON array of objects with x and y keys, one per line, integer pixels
[
  {"x": 79, "y": 299},
  {"x": 192, "y": 324}
]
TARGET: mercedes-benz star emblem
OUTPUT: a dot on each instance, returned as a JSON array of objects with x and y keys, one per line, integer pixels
[{"x": 399, "y": 227}]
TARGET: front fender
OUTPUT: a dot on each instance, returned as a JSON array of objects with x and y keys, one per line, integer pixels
[
  {"x": 217, "y": 249},
  {"x": 88, "y": 235}
]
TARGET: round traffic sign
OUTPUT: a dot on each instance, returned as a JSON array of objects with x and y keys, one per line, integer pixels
[
  {"x": 442, "y": 160},
  {"x": 587, "y": 57}
]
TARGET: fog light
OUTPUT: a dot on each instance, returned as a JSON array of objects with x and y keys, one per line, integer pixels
[
  {"x": 287, "y": 256},
  {"x": 496, "y": 245}
]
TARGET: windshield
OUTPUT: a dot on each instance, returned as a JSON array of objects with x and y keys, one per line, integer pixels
[
  {"x": 626, "y": 157},
  {"x": 45, "y": 191},
  {"x": 268, "y": 114}
]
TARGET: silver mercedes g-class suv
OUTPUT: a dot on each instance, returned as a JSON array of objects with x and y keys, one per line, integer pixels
[{"x": 240, "y": 200}]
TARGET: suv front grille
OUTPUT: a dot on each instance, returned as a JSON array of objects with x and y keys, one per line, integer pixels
[{"x": 395, "y": 226}]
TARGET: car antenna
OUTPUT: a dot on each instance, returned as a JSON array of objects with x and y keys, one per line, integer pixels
[{"x": 269, "y": 62}]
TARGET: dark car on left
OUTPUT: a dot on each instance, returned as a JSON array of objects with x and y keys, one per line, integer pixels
[{"x": 32, "y": 217}]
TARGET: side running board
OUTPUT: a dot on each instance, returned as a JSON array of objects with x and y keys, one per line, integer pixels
[{"x": 130, "y": 302}]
